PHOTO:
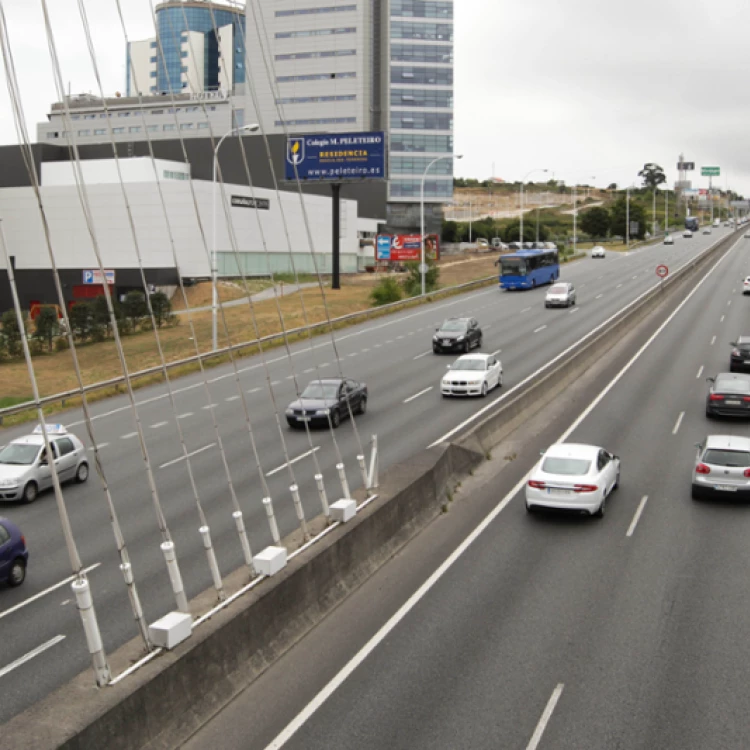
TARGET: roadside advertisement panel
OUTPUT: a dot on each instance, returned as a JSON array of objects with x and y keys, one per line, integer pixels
[
  {"x": 406, "y": 247},
  {"x": 336, "y": 157}
]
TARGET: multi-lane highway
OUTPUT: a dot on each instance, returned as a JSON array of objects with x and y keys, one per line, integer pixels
[
  {"x": 499, "y": 629},
  {"x": 393, "y": 355}
]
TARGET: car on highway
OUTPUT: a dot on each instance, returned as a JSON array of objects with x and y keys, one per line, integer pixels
[
  {"x": 327, "y": 399},
  {"x": 482, "y": 245},
  {"x": 739, "y": 359},
  {"x": 687, "y": 233},
  {"x": 457, "y": 334},
  {"x": 472, "y": 375},
  {"x": 746, "y": 285},
  {"x": 728, "y": 395},
  {"x": 573, "y": 476},
  {"x": 14, "y": 556},
  {"x": 24, "y": 467},
  {"x": 706, "y": 230},
  {"x": 668, "y": 239},
  {"x": 722, "y": 468},
  {"x": 598, "y": 252},
  {"x": 747, "y": 235},
  {"x": 561, "y": 294}
]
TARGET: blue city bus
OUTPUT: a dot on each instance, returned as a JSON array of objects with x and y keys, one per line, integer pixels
[{"x": 527, "y": 269}]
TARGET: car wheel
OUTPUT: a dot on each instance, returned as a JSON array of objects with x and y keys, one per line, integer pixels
[
  {"x": 709, "y": 415},
  {"x": 467, "y": 347},
  {"x": 694, "y": 493},
  {"x": 17, "y": 573},
  {"x": 435, "y": 350},
  {"x": 335, "y": 417},
  {"x": 546, "y": 305},
  {"x": 30, "y": 492},
  {"x": 617, "y": 481},
  {"x": 362, "y": 408},
  {"x": 500, "y": 380},
  {"x": 599, "y": 513},
  {"x": 530, "y": 508},
  {"x": 83, "y": 473},
  {"x": 484, "y": 389}
]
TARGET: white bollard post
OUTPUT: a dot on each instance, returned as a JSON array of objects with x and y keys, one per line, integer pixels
[
  {"x": 135, "y": 601},
  {"x": 205, "y": 533},
  {"x": 175, "y": 578},
  {"x": 344, "y": 483},
  {"x": 363, "y": 469},
  {"x": 239, "y": 522},
  {"x": 300, "y": 511},
  {"x": 373, "y": 483},
  {"x": 323, "y": 496},
  {"x": 85, "y": 605},
  {"x": 272, "y": 520}
]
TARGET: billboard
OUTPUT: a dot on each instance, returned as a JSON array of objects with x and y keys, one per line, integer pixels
[
  {"x": 406, "y": 247},
  {"x": 685, "y": 166},
  {"x": 94, "y": 276},
  {"x": 336, "y": 157}
]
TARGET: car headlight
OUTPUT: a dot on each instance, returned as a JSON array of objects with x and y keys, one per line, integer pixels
[
  {"x": 323, "y": 412},
  {"x": 290, "y": 412},
  {"x": 474, "y": 382},
  {"x": 435, "y": 337},
  {"x": 8, "y": 483},
  {"x": 446, "y": 381},
  {"x": 460, "y": 338}
]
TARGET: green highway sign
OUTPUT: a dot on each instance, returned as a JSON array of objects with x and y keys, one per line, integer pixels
[{"x": 710, "y": 171}]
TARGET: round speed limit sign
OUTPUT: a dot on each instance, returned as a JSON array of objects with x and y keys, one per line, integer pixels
[{"x": 662, "y": 271}]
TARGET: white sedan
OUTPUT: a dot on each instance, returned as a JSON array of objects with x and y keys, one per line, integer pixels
[
  {"x": 472, "y": 375},
  {"x": 597, "y": 252},
  {"x": 573, "y": 476},
  {"x": 668, "y": 239},
  {"x": 687, "y": 233}
]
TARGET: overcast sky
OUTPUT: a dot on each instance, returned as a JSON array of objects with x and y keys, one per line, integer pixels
[{"x": 584, "y": 88}]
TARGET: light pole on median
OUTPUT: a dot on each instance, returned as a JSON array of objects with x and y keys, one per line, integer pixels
[
  {"x": 214, "y": 291},
  {"x": 422, "y": 268},
  {"x": 520, "y": 202}
]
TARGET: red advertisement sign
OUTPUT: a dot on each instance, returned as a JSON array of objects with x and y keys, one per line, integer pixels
[{"x": 407, "y": 247}]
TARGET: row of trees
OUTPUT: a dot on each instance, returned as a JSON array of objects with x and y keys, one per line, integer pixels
[{"x": 89, "y": 321}]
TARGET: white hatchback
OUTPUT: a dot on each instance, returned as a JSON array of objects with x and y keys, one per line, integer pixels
[
  {"x": 472, "y": 375},
  {"x": 597, "y": 252},
  {"x": 746, "y": 285},
  {"x": 573, "y": 476},
  {"x": 668, "y": 239}
]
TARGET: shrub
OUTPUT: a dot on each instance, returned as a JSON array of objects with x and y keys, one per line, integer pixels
[
  {"x": 388, "y": 290},
  {"x": 11, "y": 333},
  {"x": 413, "y": 281},
  {"x": 61, "y": 344}
]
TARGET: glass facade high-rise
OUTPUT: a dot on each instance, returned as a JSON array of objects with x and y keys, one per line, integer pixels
[{"x": 420, "y": 108}]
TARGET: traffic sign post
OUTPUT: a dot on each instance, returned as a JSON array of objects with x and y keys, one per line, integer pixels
[
  {"x": 662, "y": 271},
  {"x": 710, "y": 171}
]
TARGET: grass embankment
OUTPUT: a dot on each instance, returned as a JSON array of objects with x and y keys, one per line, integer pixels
[{"x": 98, "y": 362}]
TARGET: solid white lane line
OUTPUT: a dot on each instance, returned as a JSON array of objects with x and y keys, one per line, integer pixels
[
  {"x": 293, "y": 461},
  {"x": 365, "y": 350},
  {"x": 495, "y": 353},
  {"x": 678, "y": 423},
  {"x": 541, "y": 328},
  {"x": 157, "y": 425},
  {"x": 713, "y": 340},
  {"x": 417, "y": 395},
  {"x": 536, "y": 738},
  {"x": 28, "y": 657},
  {"x": 599, "y": 296},
  {"x": 128, "y": 435},
  {"x": 189, "y": 455},
  {"x": 46, "y": 591},
  {"x": 637, "y": 516},
  {"x": 423, "y": 354},
  {"x": 700, "y": 372},
  {"x": 101, "y": 445},
  {"x": 323, "y": 364},
  {"x": 185, "y": 415}
]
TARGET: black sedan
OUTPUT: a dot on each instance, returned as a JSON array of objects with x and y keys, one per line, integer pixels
[
  {"x": 739, "y": 359},
  {"x": 327, "y": 399},
  {"x": 457, "y": 334},
  {"x": 728, "y": 395}
]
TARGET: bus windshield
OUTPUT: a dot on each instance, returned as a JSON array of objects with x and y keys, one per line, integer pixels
[{"x": 513, "y": 266}]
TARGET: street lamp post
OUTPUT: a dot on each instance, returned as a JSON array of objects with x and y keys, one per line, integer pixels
[
  {"x": 422, "y": 268},
  {"x": 214, "y": 291},
  {"x": 520, "y": 203}
]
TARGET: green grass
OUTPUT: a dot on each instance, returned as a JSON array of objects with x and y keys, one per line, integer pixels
[{"x": 6, "y": 401}]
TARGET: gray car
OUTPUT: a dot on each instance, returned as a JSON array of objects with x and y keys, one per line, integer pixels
[
  {"x": 722, "y": 468},
  {"x": 25, "y": 470},
  {"x": 561, "y": 294}
]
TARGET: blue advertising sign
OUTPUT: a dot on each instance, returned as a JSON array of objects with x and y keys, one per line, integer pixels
[
  {"x": 336, "y": 157},
  {"x": 384, "y": 247}
]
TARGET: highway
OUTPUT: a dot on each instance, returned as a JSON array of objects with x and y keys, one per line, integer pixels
[
  {"x": 43, "y": 644},
  {"x": 499, "y": 629}
]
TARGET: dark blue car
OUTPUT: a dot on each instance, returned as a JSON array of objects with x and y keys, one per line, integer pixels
[{"x": 13, "y": 554}]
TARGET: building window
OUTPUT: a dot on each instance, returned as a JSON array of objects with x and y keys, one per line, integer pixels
[
  {"x": 100, "y": 131},
  {"x": 169, "y": 127},
  {"x": 427, "y": 53},
  {"x": 84, "y": 133},
  {"x": 315, "y": 99},
  {"x": 421, "y": 9},
  {"x": 433, "y": 76},
  {"x": 430, "y": 32},
  {"x": 307, "y": 11},
  {"x": 314, "y": 77},
  {"x": 311, "y": 55},
  {"x": 123, "y": 114},
  {"x": 171, "y": 175},
  {"x": 421, "y": 121},
  {"x": 152, "y": 128},
  {"x": 134, "y": 129},
  {"x": 320, "y": 121},
  {"x": 202, "y": 125},
  {"x": 421, "y": 98},
  {"x": 315, "y": 32},
  {"x": 118, "y": 131},
  {"x": 186, "y": 126},
  {"x": 52, "y": 135}
]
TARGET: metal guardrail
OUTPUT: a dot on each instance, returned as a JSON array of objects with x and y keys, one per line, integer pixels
[{"x": 363, "y": 315}]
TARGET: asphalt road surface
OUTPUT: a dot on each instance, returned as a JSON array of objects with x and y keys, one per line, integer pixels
[{"x": 43, "y": 644}]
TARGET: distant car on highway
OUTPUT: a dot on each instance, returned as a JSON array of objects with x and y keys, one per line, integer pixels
[
  {"x": 747, "y": 235},
  {"x": 598, "y": 252},
  {"x": 728, "y": 395},
  {"x": 706, "y": 230},
  {"x": 573, "y": 476},
  {"x": 722, "y": 468},
  {"x": 472, "y": 375},
  {"x": 687, "y": 233},
  {"x": 457, "y": 334},
  {"x": 482, "y": 245},
  {"x": 24, "y": 468},
  {"x": 746, "y": 285},
  {"x": 13, "y": 554},
  {"x": 561, "y": 294},
  {"x": 739, "y": 359},
  {"x": 331, "y": 398},
  {"x": 668, "y": 239}
]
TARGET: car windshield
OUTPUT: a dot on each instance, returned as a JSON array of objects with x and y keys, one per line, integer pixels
[
  {"x": 321, "y": 390},
  {"x": 720, "y": 457},
  {"x": 513, "y": 266},
  {"x": 732, "y": 385},
  {"x": 567, "y": 466},
  {"x": 18, "y": 453},
  {"x": 453, "y": 325},
  {"x": 468, "y": 364},
  {"x": 559, "y": 289}
]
